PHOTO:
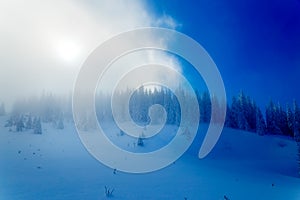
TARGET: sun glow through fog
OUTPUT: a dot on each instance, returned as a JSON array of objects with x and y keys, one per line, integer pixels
[{"x": 68, "y": 50}]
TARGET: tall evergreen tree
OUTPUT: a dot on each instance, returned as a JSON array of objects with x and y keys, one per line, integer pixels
[
  {"x": 28, "y": 124},
  {"x": 290, "y": 118},
  {"x": 271, "y": 119},
  {"x": 296, "y": 122},
  {"x": 260, "y": 122},
  {"x": 233, "y": 114},
  {"x": 205, "y": 108},
  {"x": 297, "y": 130},
  {"x": 243, "y": 110}
]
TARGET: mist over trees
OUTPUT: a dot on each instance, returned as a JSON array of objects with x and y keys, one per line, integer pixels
[
  {"x": 242, "y": 112},
  {"x": 28, "y": 114}
]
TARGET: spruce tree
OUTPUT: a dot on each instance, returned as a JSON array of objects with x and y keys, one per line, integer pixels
[
  {"x": 297, "y": 130},
  {"x": 37, "y": 126},
  {"x": 19, "y": 123},
  {"x": 29, "y": 123},
  {"x": 272, "y": 119},
  {"x": 290, "y": 117},
  {"x": 205, "y": 108},
  {"x": 243, "y": 110},
  {"x": 260, "y": 122},
  {"x": 233, "y": 114}
]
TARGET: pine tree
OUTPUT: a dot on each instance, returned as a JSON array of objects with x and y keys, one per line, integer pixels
[
  {"x": 272, "y": 119},
  {"x": 243, "y": 110},
  {"x": 9, "y": 122},
  {"x": 233, "y": 114},
  {"x": 290, "y": 117},
  {"x": 37, "y": 126},
  {"x": 60, "y": 123},
  {"x": 298, "y": 158},
  {"x": 297, "y": 139},
  {"x": 260, "y": 122},
  {"x": 297, "y": 130},
  {"x": 205, "y": 108},
  {"x": 19, "y": 123},
  {"x": 296, "y": 122},
  {"x": 281, "y": 120},
  {"x": 215, "y": 114},
  {"x": 29, "y": 122}
]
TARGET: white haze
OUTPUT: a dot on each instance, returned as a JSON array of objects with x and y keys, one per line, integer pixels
[{"x": 35, "y": 34}]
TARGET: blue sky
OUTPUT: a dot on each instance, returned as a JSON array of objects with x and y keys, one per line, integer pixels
[{"x": 255, "y": 44}]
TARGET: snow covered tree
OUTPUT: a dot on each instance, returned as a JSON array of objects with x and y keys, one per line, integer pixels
[
  {"x": 239, "y": 112},
  {"x": 29, "y": 123},
  {"x": 281, "y": 120},
  {"x": 271, "y": 119},
  {"x": 215, "y": 114},
  {"x": 290, "y": 120},
  {"x": 205, "y": 108},
  {"x": 260, "y": 122},
  {"x": 298, "y": 158},
  {"x": 297, "y": 139},
  {"x": 37, "y": 126},
  {"x": 233, "y": 114},
  {"x": 297, "y": 130},
  {"x": 9, "y": 122},
  {"x": 243, "y": 109},
  {"x": 19, "y": 124},
  {"x": 296, "y": 122}
]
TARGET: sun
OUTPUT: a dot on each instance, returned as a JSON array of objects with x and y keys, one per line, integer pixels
[{"x": 68, "y": 50}]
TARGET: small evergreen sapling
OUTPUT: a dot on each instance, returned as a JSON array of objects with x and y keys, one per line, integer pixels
[
  {"x": 140, "y": 140},
  {"x": 60, "y": 124}
]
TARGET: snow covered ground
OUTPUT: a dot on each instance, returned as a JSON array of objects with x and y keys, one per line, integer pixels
[{"x": 55, "y": 165}]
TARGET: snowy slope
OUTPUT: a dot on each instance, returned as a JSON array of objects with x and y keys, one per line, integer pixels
[{"x": 55, "y": 165}]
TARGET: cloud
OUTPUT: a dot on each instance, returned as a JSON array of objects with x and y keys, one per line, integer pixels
[
  {"x": 32, "y": 32},
  {"x": 167, "y": 21}
]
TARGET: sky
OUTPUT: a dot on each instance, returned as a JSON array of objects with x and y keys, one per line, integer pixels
[
  {"x": 255, "y": 44},
  {"x": 43, "y": 44}
]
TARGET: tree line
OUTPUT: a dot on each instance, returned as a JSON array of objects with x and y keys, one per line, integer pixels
[{"x": 242, "y": 112}]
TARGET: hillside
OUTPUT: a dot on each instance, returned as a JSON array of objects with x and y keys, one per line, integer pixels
[{"x": 55, "y": 165}]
